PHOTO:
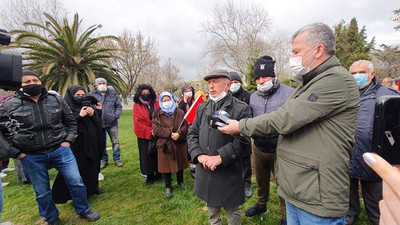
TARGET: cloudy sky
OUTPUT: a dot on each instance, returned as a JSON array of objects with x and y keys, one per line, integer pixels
[{"x": 175, "y": 24}]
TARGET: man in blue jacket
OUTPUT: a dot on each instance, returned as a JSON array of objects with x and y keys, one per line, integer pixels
[
  {"x": 111, "y": 111},
  {"x": 371, "y": 185}
]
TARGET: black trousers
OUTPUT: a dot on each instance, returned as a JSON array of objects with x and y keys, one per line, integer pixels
[
  {"x": 167, "y": 178},
  {"x": 371, "y": 193}
]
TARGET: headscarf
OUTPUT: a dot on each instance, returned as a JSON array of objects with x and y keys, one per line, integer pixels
[
  {"x": 203, "y": 95},
  {"x": 170, "y": 110},
  {"x": 73, "y": 104}
]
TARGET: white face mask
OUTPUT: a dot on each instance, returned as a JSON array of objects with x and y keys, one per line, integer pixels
[
  {"x": 167, "y": 104},
  {"x": 102, "y": 87},
  {"x": 189, "y": 94},
  {"x": 297, "y": 69},
  {"x": 219, "y": 97},
  {"x": 265, "y": 86},
  {"x": 234, "y": 87}
]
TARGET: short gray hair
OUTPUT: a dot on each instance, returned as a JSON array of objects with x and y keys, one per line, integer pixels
[
  {"x": 318, "y": 33},
  {"x": 359, "y": 62}
]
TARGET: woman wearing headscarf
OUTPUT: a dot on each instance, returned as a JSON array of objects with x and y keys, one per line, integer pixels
[
  {"x": 187, "y": 98},
  {"x": 88, "y": 146},
  {"x": 145, "y": 103},
  {"x": 171, "y": 130}
]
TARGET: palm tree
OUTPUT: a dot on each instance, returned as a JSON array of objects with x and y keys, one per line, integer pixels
[{"x": 65, "y": 56}]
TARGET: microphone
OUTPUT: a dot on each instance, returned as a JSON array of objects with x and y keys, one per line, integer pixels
[{"x": 218, "y": 119}]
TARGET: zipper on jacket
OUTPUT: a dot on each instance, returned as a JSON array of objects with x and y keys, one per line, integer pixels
[
  {"x": 265, "y": 104},
  {"x": 41, "y": 124},
  {"x": 298, "y": 160}
]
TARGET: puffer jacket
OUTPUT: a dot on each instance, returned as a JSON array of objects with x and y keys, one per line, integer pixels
[
  {"x": 365, "y": 123},
  {"x": 112, "y": 106},
  {"x": 45, "y": 123},
  {"x": 316, "y": 127},
  {"x": 261, "y": 103}
]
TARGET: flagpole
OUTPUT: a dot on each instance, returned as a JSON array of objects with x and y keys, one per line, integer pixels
[{"x": 190, "y": 109}]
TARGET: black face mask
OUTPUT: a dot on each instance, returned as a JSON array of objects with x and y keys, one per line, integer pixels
[
  {"x": 32, "y": 89},
  {"x": 146, "y": 97},
  {"x": 79, "y": 99}
]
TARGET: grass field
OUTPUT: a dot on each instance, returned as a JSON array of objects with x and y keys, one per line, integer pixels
[{"x": 127, "y": 200}]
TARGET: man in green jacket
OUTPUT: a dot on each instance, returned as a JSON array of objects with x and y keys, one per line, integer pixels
[{"x": 316, "y": 129}]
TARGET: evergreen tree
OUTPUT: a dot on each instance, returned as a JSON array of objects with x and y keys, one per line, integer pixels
[{"x": 351, "y": 43}]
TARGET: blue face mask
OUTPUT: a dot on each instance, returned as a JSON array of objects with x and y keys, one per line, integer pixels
[{"x": 361, "y": 78}]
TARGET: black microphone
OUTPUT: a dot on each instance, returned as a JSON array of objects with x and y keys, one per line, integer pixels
[{"x": 215, "y": 122}]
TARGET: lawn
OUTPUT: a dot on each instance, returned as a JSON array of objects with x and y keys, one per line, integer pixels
[{"x": 127, "y": 200}]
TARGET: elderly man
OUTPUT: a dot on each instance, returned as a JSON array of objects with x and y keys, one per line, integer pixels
[
  {"x": 43, "y": 141},
  {"x": 270, "y": 95},
  {"x": 316, "y": 129},
  {"x": 219, "y": 180},
  {"x": 111, "y": 111},
  {"x": 244, "y": 96},
  {"x": 371, "y": 184}
]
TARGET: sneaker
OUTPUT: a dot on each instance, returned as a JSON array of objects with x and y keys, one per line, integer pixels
[
  {"x": 350, "y": 220},
  {"x": 4, "y": 184},
  {"x": 168, "y": 192},
  {"x": 255, "y": 210},
  {"x": 182, "y": 185},
  {"x": 91, "y": 215},
  {"x": 56, "y": 221},
  {"x": 103, "y": 165},
  {"x": 2, "y": 175},
  {"x": 8, "y": 169},
  {"x": 119, "y": 163},
  {"x": 248, "y": 191},
  {"x": 101, "y": 176}
]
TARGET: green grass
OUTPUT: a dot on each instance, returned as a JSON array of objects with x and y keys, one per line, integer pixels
[{"x": 127, "y": 200}]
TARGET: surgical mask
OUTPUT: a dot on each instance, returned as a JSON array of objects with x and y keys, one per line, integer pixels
[
  {"x": 32, "y": 89},
  {"x": 189, "y": 94},
  {"x": 297, "y": 69},
  {"x": 219, "y": 97},
  {"x": 167, "y": 104},
  {"x": 102, "y": 87},
  {"x": 234, "y": 87},
  {"x": 361, "y": 78},
  {"x": 265, "y": 86}
]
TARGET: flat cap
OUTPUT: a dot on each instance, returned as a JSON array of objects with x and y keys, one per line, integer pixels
[{"x": 217, "y": 74}]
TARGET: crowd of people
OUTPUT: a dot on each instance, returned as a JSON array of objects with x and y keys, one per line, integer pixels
[{"x": 314, "y": 140}]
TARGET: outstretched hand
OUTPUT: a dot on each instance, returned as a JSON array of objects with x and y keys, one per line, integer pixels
[
  {"x": 231, "y": 129},
  {"x": 390, "y": 205}
]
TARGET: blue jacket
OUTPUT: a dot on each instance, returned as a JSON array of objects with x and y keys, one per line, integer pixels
[
  {"x": 262, "y": 103},
  {"x": 112, "y": 106},
  {"x": 365, "y": 122}
]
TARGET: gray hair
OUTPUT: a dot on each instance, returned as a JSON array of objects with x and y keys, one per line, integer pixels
[
  {"x": 359, "y": 62},
  {"x": 318, "y": 33}
]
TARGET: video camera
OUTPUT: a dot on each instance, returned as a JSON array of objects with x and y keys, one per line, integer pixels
[{"x": 10, "y": 65}]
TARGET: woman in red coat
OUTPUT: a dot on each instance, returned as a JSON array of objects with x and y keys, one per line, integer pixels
[
  {"x": 145, "y": 103},
  {"x": 171, "y": 130}
]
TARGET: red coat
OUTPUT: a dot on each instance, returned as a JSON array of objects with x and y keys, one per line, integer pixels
[{"x": 141, "y": 120}]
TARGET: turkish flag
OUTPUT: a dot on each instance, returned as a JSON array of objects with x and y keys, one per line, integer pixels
[{"x": 191, "y": 113}]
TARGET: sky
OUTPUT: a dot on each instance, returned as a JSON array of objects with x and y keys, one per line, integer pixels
[{"x": 175, "y": 25}]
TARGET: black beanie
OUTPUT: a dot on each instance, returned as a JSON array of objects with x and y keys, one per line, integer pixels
[
  {"x": 29, "y": 73},
  {"x": 264, "y": 67},
  {"x": 235, "y": 76}
]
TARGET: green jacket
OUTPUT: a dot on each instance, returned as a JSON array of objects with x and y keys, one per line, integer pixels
[{"x": 316, "y": 129}]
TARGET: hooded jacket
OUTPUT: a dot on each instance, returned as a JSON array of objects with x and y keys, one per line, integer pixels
[{"x": 142, "y": 114}]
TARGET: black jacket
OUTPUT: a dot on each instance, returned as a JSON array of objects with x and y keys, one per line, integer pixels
[{"x": 45, "y": 123}]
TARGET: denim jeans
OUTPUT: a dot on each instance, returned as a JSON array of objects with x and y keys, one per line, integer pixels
[
  {"x": 113, "y": 132},
  {"x": 62, "y": 159},
  {"x": 297, "y": 216}
]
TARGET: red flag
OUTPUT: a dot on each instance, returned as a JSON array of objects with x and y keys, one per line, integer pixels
[{"x": 191, "y": 113}]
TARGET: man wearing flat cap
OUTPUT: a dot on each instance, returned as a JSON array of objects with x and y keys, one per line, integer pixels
[
  {"x": 219, "y": 180},
  {"x": 270, "y": 95},
  {"x": 47, "y": 130}
]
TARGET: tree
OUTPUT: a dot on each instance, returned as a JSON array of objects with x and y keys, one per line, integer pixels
[
  {"x": 351, "y": 44},
  {"x": 237, "y": 35},
  {"x": 387, "y": 60},
  {"x": 396, "y": 18},
  {"x": 137, "y": 53},
  {"x": 66, "y": 57}
]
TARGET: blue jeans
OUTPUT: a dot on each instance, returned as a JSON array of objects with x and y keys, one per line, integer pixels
[
  {"x": 113, "y": 132},
  {"x": 62, "y": 159},
  {"x": 297, "y": 216}
]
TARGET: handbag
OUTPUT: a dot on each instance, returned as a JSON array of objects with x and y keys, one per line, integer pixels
[{"x": 152, "y": 147}]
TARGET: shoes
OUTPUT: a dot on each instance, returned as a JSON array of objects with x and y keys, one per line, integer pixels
[
  {"x": 255, "y": 210},
  {"x": 8, "y": 169},
  {"x": 119, "y": 163},
  {"x": 91, "y": 215},
  {"x": 56, "y": 221},
  {"x": 248, "y": 191},
  {"x": 4, "y": 184},
  {"x": 103, "y": 165},
  {"x": 2, "y": 175},
  {"x": 168, "y": 192},
  {"x": 149, "y": 181},
  {"x": 350, "y": 220},
  {"x": 283, "y": 222},
  {"x": 101, "y": 176},
  {"x": 100, "y": 191},
  {"x": 182, "y": 185},
  {"x": 192, "y": 173}
]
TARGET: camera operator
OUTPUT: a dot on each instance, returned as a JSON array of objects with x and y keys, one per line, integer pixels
[{"x": 47, "y": 130}]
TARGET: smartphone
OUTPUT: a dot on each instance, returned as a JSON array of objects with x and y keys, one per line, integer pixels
[
  {"x": 386, "y": 132},
  {"x": 85, "y": 103}
]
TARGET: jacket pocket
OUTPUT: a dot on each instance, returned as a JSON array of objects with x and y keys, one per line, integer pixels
[
  {"x": 298, "y": 177},
  {"x": 25, "y": 118}
]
